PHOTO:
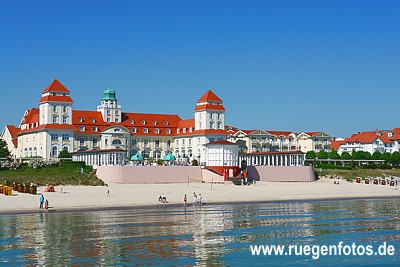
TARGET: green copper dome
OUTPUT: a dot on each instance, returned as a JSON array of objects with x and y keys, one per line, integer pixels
[{"x": 109, "y": 94}]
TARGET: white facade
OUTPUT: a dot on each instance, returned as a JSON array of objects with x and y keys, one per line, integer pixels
[{"x": 222, "y": 153}]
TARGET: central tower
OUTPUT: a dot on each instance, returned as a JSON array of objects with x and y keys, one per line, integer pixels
[
  {"x": 109, "y": 108},
  {"x": 209, "y": 113}
]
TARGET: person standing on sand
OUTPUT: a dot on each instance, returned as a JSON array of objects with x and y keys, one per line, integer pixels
[
  {"x": 41, "y": 201},
  {"x": 184, "y": 200},
  {"x": 194, "y": 198},
  {"x": 108, "y": 193}
]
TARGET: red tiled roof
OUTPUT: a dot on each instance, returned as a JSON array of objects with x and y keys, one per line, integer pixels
[
  {"x": 162, "y": 120},
  {"x": 56, "y": 98},
  {"x": 56, "y": 86},
  {"x": 209, "y": 107},
  {"x": 221, "y": 142},
  {"x": 99, "y": 150},
  {"x": 61, "y": 127},
  {"x": 87, "y": 117},
  {"x": 186, "y": 124},
  {"x": 336, "y": 144},
  {"x": 32, "y": 116},
  {"x": 13, "y": 130},
  {"x": 312, "y": 133},
  {"x": 15, "y": 142},
  {"x": 367, "y": 137},
  {"x": 209, "y": 96},
  {"x": 395, "y": 134},
  {"x": 279, "y": 133}
]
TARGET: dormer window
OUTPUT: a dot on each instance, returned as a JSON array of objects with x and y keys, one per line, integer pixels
[
  {"x": 94, "y": 129},
  {"x": 166, "y": 123},
  {"x": 82, "y": 128},
  {"x": 157, "y": 131},
  {"x": 80, "y": 119},
  {"x": 178, "y": 131},
  {"x": 145, "y": 130},
  {"x": 155, "y": 122},
  {"x": 168, "y": 131},
  {"x": 184, "y": 130},
  {"x": 117, "y": 130},
  {"x": 191, "y": 129},
  {"x": 143, "y": 122},
  {"x": 134, "y": 130},
  {"x": 132, "y": 122},
  {"x": 93, "y": 120}
]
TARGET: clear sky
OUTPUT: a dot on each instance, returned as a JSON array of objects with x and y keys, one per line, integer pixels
[{"x": 293, "y": 65}]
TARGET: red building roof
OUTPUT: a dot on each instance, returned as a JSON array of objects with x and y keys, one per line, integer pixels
[
  {"x": 209, "y": 96},
  {"x": 209, "y": 107},
  {"x": 56, "y": 87},
  {"x": 56, "y": 98},
  {"x": 222, "y": 142}
]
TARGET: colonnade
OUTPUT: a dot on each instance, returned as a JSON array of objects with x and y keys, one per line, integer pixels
[
  {"x": 273, "y": 159},
  {"x": 101, "y": 158}
]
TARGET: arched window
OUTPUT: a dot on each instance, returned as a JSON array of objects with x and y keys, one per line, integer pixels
[
  {"x": 54, "y": 151},
  {"x": 34, "y": 152},
  {"x": 157, "y": 154},
  {"x": 30, "y": 152},
  {"x": 25, "y": 152},
  {"x": 132, "y": 152},
  {"x": 145, "y": 130},
  {"x": 116, "y": 142},
  {"x": 157, "y": 131},
  {"x": 146, "y": 153},
  {"x": 65, "y": 148}
]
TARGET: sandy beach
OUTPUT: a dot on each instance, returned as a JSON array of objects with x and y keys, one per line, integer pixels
[{"x": 125, "y": 195}]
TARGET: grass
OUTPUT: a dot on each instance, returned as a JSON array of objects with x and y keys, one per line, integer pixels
[
  {"x": 56, "y": 175},
  {"x": 363, "y": 173}
]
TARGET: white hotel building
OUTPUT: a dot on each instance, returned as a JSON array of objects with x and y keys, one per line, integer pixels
[{"x": 109, "y": 135}]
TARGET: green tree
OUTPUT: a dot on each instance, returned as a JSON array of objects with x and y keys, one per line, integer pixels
[
  {"x": 366, "y": 155},
  {"x": 195, "y": 162},
  {"x": 64, "y": 154},
  {"x": 334, "y": 154},
  {"x": 395, "y": 158},
  {"x": 386, "y": 157},
  {"x": 345, "y": 155},
  {"x": 4, "y": 152},
  {"x": 377, "y": 155},
  {"x": 322, "y": 154},
  {"x": 311, "y": 155},
  {"x": 357, "y": 154}
]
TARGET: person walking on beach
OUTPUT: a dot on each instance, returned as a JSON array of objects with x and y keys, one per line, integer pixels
[
  {"x": 41, "y": 201},
  {"x": 46, "y": 205},
  {"x": 199, "y": 199},
  {"x": 194, "y": 198},
  {"x": 108, "y": 193},
  {"x": 184, "y": 200}
]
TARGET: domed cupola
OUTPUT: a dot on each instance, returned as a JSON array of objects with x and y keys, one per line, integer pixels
[
  {"x": 109, "y": 108},
  {"x": 109, "y": 94}
]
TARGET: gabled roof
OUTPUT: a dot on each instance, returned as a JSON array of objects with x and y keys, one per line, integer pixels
[
  {"x": 368, "y": 137},
  {"x": 209, "y": 96},
  {"x": 279, "y": 133},
  {"x": 335, "y": 144},
  {"x": 312, "y": 133},
  {"x": 56, "y": 87},
  {"x": 13, "y": 130},
  {"x": 395, "y": 134},
  {"x": 32, "y": 116}
]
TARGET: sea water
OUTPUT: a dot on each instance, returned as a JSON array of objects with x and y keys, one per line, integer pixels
[{"x": 209, "y": 235}]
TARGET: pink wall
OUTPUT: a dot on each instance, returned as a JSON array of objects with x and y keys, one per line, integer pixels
[
  {"x": 281, "y": 173},
  {"x": 147, "y": 174}
]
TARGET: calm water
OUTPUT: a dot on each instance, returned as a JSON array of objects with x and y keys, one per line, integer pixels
[{"x": 212, "y": 235}]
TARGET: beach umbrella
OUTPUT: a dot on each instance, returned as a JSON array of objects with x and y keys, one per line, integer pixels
[
  {"x": 169, "y": 157},
  {"x": 137, "y": 157}
]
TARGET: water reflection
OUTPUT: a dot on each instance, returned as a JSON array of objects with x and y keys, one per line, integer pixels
[{"x": 202, "y": 236}]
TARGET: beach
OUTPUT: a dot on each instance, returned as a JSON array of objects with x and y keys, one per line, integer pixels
[{"x": 69, "y": 198}]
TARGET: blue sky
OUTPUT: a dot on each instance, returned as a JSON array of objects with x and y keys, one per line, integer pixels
[{"x": 330, "y": 66}]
